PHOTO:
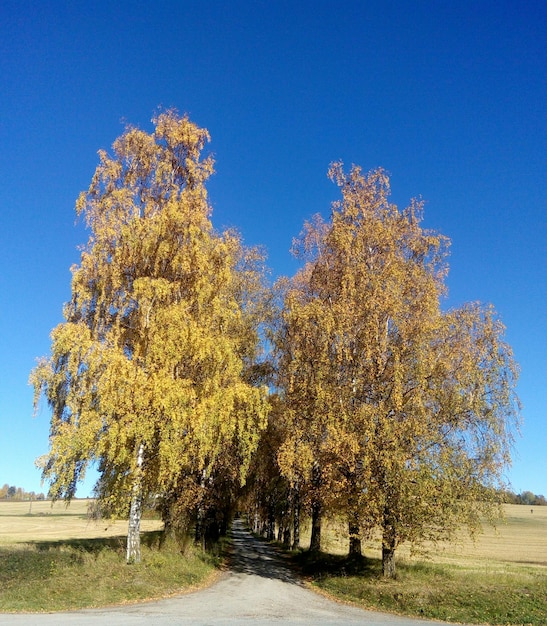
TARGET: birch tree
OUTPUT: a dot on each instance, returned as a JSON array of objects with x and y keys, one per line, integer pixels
[
  {"x": 441, "y": 449},
  {"x": 147, "y": 377},
  {"x": 305, "y": 453},
  {"x": 401, "y": 414}
]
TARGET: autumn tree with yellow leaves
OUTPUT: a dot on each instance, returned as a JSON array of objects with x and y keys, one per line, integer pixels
[
  {"x": 399, "y": 415},
  {"x": 151, "y": 375},
  {"x": 388, "y": 410}
]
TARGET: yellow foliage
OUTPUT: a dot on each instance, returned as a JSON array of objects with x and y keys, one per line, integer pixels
[
  {"x": 404, "y": 411},
  {"x": 160, "y": 329}
]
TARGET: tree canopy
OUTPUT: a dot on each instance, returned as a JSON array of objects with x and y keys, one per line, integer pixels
[
  {"x": 150, "y": 375},
  {"x": 388, "y": 409},
  {"x": 401, "y": 415}
]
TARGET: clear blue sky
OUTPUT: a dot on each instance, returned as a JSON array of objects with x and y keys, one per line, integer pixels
[{"x": 450, "y": 97}]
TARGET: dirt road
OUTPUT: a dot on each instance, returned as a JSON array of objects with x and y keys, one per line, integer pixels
[{"x": 258, "y": 590}]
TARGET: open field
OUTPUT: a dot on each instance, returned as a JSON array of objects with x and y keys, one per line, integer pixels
[
  {"x": 22, "y": 522},
  {"x": 521, "y": 538},
  {"x": 501, "y": 578},
  {"x": 56, "y": 558}
]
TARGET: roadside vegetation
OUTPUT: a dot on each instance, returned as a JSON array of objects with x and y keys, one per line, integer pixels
[
  {"x": 501, "y": 578},
  {"x": 41, "y": 572},
  {"x": 452, "y": 593}
]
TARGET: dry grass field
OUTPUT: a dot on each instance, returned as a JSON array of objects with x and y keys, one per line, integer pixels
[
  {"x": 56, "y": 558},
  {"x": 30, "y": 522},
  {"x": 521, "y": 538},
  {"x": 500, "y": 578}
]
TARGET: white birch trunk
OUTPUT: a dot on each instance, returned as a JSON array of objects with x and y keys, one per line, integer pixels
[{"x": 133, "y": 554}]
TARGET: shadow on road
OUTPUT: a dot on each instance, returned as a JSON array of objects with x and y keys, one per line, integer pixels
[{"x": 251, "y": 556}]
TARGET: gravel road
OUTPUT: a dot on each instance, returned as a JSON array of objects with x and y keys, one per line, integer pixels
[{"x": 258, "y": 590}]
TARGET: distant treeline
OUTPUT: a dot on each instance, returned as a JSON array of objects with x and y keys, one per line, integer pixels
[
  {"x": 526, "y": 497},
  {"x": 18, "y": 494}
]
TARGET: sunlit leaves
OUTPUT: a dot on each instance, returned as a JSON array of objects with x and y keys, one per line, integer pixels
[
  {"x": 161, "y": 328},
  {"x": 405, "y": 411}
]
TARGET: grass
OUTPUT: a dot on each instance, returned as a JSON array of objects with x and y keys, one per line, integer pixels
[
  {"x": 500, "y": 579},
  {"x": 436, "y": 591},
  {"x": 56, "y": 559},
  {"x": 22, "y": 522}
]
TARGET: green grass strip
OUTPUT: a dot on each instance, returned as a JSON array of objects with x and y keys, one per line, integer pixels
[{"x": 57, "y": 576}]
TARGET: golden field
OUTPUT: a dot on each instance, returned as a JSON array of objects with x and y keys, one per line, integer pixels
[
  {"x": 29, "y": 522},
  {"x": 520, "y": 538}
]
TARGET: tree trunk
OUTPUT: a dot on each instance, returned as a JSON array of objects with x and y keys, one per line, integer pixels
[
  {"x": 354, "y": 526},
  {"x": 388, "y": 561},
  {"x": 270, "y": 532},
  {"x": 316, "y": 514},
  {"x": 354, "y": 536},
  {"x": 133, "y": 552},
  {"x": 256, "y": 520},
  {"x": 296, "y": 521},
  {"x": 389, "y": 543},
  {"x": 200, "y": 529}
]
